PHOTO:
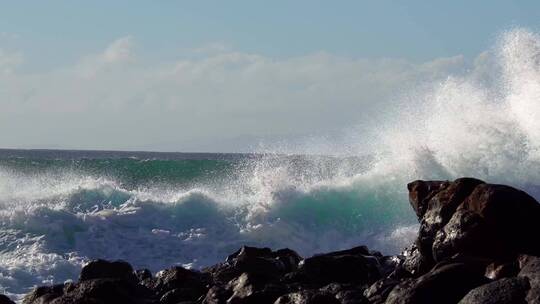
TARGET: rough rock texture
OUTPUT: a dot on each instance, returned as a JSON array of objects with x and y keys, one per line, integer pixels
[
  {"x": 503, "y": 291},
  {"x": 477, "y": 243}
]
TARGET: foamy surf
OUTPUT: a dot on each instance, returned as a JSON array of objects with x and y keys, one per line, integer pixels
[{"x": 58, "y": 212}]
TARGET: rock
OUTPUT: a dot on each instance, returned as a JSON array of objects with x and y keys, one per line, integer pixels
[
  {"x": 99, "y": 269},
  {"x": 104, "y": 291},
  {"x": 499, "y": 270},
  {"x": 503, "y": 291},
  {"x": 43, "y": 294},
  {"x": 345, "y": 293},
  {"x": 307, "y": 297},
  {"x": 249, "y": 288},
  {"x": 183, "y": 284},
  {"x": 256, "y": 261},
  {"x": 447, "y": 282},
  {"x": 347, "y": 266},
  {"x": 470, "y": 217},
  {"x": 530, "y": 269},
  {"x": 143, "y": 275},
  {"x": 510, "y": 214},
  {"x": 378, "y": 291},
  {"x": 5, "y": 300},
  {"x": 217, "y": 294}
]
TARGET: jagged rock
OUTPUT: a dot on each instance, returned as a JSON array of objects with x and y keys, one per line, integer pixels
[
  {"x": 103, "y": 291},
  {"x": 99, "y": 269},
  {"x": 347, "y": 266},
  {"x": 378, "y": 291},
  {"x": 249, "y": 288},
  {"x": 470, "y": 217},
  {"x": 181, "y": 284},
  {"x": 530, "y": 269},
  {"x": 217, "y": 294},
  {"x": 447, "y": 282},
  {"x": 499, "y": 270},
  {"x": 257, "y": 261},
  {"x": 143, "y": 275},
  {"x": 307, "y": 297},
  {"x": 346, "y": 293},
  {"x": 503, "y": 291},
  {"x": 44, "y": 294}
]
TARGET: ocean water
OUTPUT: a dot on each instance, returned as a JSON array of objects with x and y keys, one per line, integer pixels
[{"x": 59, "y": 209}]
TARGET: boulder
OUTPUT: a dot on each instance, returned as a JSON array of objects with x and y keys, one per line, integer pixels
[
  {"x": 469, "y": 217},
  {"x": 100, "y": 269},
  {"x": 503, "y": 291},
  {"x": 249, "y": 288},
  {"x": 447, "y": 282},
  {"x": 256, "y": 261},
  {"x": 530, "y": 269},
  {"x": 354, "y": 265},
  {"x": 179, "y": 284},
  {"x": 307, "y": 297}
]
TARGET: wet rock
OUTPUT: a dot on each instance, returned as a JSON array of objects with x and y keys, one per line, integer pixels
[
  {"x": 503, "y": 291},
  {"x": 256, "y": 261},
  {"x": 217, "y": 294},
  {"x": 347, "y": 266},
  {"x": 184, "y": 284},
  {"x": 249, "y": 288},
  {"x": 143, "y": 275},
  {"x": 307, "y": 297},
  {"x": 43, "y": 294},
  {"x": 470, "y": 217},
  {"x": 378, "y": 291},
  {"x": 499, "y": 270},
  {"x": 345, "y": 293},
  {"x": 105, "y": 291},
  {"x": 99, "y": 269},
  {"x": 530, "y": 269},
  {"x": 447, "y": 282}
]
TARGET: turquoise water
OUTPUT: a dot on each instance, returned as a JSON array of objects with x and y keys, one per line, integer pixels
[{"x": 61, "y": 208}]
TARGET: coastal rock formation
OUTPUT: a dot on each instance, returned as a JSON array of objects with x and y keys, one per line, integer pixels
[{"x": 477, "y": 243}]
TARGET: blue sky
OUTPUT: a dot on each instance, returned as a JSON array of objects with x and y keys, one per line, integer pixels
[
  {"x": 54, "y": 31},
  {"x": 40, "y": 41}
]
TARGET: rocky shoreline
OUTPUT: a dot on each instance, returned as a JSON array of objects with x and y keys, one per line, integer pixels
[{"x": 477, "y": 243}]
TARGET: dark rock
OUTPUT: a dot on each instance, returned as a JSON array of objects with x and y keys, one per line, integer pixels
[
  {"x": 143, "y": 274},
  {"x": 5, "y": 300},
  {"x": 378, "y": 291},
  {"x": 503, "y": 291},
  {"x": 100, "y": 269},
  {"x": 189, "y": 284},
  {"x": 499, "y": 270},
  {"x": 345, "y": 293},
  {"x": 105, "y": 291},
  {"x": 307, "y": 297},
  {"x": 217, "y": 294},
  {"x": 510, "y": 214},
  {"x": 256, "y": 261},
  {"x": 347, "y": 266},
  {"x": 420, "y": 192},
  {"x": 530, "y": 269},
  {"x": 470, "y": 217},
  {"x": 447, "y": 282},
  {"x": 43, "y": 294},
  {"x": 249, "y": 288}
]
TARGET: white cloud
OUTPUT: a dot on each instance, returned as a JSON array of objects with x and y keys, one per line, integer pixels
[
  {"x": 9, "y": 61},
  {"x": 119, "y": 50},
  {"x": 110, "y": 100}
]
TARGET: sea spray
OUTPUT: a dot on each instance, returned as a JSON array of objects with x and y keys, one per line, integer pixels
[{"x": 60, "y": 209}]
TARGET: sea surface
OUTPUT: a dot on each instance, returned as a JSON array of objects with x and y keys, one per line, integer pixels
[{"x": 60, "y": 209}]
